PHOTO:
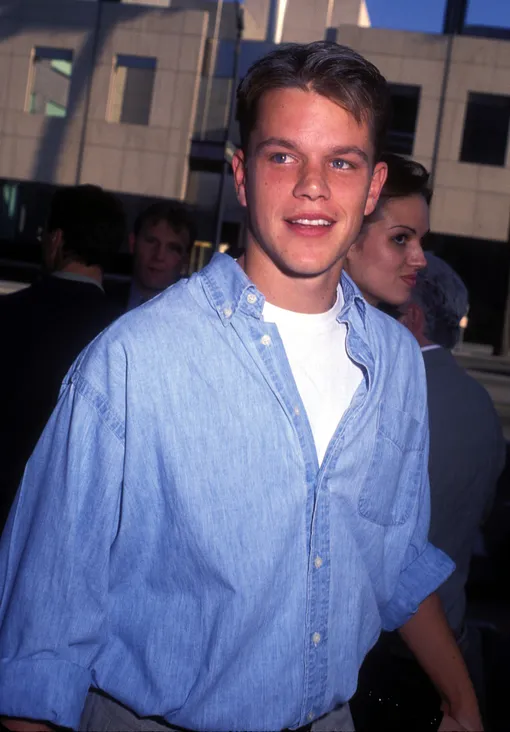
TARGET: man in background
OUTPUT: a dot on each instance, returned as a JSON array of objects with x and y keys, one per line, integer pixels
[
  {"x": 467, "y": 448},
  {"x": 44, "y": 327},
  {"x": 161, "y": 243}
]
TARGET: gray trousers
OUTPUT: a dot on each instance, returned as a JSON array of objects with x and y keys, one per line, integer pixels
[{"x": 102, "y": 714}]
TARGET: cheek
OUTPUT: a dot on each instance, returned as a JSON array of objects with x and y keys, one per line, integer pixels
[
  {"x": 269, "y": 186},
  {"x": 174, "y": 260}
]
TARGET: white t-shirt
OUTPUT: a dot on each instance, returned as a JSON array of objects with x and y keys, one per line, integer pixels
[{"x": 325, "y": 376}]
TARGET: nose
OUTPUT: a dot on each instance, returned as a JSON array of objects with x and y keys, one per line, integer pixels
[
  {"x": 416, "y": 257},
  {"x": 312, "y": 183},
  {"x": 159, "y": 251}
]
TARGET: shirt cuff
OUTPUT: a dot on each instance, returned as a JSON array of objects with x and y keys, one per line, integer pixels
[
  {"x": 46, "y": 690},
  {"x": 417, "y": 581}
]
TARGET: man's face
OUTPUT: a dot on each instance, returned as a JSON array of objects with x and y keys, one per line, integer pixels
[
  {"x": 307, "y": 181},
  {"x": 160, "y": 253}
]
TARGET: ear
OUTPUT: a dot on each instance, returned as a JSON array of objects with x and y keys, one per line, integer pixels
[
  {"x": 414, "y": 319},
  {"x": 239, "y": 168},
  {"x": 54, "y": 245},
  {"x": 131, "y": 243},
  {"x": 376, "y": 184}
]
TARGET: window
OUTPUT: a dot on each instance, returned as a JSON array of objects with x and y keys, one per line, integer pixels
[
  {"x": 131, "y": 88},
  {"x": 405, "y": 101},
  {"x": 49, "y": 81},
  {"x": 486, "y": 126}
]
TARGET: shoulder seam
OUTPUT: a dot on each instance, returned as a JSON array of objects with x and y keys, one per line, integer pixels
[{"x": 100, "y": 404}]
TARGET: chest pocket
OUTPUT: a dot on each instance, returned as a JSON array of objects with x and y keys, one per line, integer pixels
[{"x": 393, "y": 478}]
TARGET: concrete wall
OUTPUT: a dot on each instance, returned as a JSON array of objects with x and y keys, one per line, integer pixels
[
  {"x": 26, "y": 25},
  {"x": 470, "y": 200},
  {"x": 151, "y": 160}
]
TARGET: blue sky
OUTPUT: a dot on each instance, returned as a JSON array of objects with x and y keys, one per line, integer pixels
[{"x": 427, "y": 15}]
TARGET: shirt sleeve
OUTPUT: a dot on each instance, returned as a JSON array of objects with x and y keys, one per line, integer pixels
[
  {"x": 54, "y": 559},
  {"x": 425, "y": 567}
]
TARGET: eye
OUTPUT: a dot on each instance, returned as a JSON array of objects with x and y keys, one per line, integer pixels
[
  {"x": 400, "y": 239},
  {"x": 281, "y": 158},
  {"x": 341, "y": 164}
]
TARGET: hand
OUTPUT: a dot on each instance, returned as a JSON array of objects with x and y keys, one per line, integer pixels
[
  {"x": 459, "y": 722},
  {"x": 449, "y": 724},
  {"x": 24, "y": 725}
]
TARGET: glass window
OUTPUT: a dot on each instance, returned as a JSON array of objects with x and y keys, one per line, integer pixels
[
  {"x": 493, "y": 14},
  {"x": 49, "y": 81},
  {"x": 405, "y": 101},
  {"x": 486, "y": 127},
  {"x": 426, "y": 17},
  {"x": 131, "y": 89}
]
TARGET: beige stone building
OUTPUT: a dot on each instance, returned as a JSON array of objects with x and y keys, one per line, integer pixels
[{"x": 134, "y": 96}]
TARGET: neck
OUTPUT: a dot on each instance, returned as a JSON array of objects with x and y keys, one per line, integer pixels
[
  {"x": 422, "y": 341},
  {"x": 145, "y": 292},
  {"x": 312, "y": 295},
  {"x": 93, "y": 271}
]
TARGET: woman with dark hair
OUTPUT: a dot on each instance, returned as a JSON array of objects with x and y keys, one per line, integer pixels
[
  {"x": 388, "y": 254},
  {"x": 394, "y": 693}
]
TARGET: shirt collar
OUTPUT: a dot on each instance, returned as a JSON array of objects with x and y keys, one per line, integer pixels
[
  {"x": 352, "y": 295},
  {"x": 229, "y": 290},
  {"x": 74, "y": 277},
  {"x": 431, "y": 347}
]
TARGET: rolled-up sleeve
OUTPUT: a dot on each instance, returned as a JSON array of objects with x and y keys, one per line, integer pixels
[
  {"x": 425, "y": 573},
  {"x": 54, "y": 559}
]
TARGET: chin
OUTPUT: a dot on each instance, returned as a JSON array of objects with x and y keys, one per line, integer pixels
[{"x": 307, "y": 267}]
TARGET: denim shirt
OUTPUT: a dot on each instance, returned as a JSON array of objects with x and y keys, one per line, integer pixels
[{"x": 174, "y": 541}]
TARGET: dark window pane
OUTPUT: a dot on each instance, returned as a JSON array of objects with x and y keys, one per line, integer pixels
[
  {"x": 136, "y": 105},
  {"x": 136, "y": 62},
  {"x": 486, "y": 129},
  {"x": 405, "y": 101},
  {"x": 131, "y": 90}
]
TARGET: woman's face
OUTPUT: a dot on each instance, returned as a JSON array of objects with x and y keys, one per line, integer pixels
[{"x": 388, "y": 253}]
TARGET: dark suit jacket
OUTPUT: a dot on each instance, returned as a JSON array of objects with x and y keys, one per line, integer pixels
[
  {"x": 42, "y": 330},
  {"x": 467, "y": 453}
]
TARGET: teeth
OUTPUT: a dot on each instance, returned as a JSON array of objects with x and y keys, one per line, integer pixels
[{"x": 312, "y": 222}]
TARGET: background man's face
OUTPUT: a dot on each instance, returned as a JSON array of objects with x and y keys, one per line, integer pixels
[
  {"x": 160, "y": 253},
  {"x": 307, "y": 181}
]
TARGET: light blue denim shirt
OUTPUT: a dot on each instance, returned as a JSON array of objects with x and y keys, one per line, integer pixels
[{"x": 174, "y": 541}]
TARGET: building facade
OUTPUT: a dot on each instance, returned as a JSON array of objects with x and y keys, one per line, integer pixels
[{"x": 135, "y": 97}]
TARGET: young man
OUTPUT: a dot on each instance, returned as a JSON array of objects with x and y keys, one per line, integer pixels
[
  {"x": 44, "y": 327},
  {"x": 231, "y": 498},
  {"x": 160, "y": 244}
]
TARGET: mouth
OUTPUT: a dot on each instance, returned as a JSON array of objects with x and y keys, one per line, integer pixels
[
  {"x": 310, "y": 225},
  {"x": 410, "y": 280}
]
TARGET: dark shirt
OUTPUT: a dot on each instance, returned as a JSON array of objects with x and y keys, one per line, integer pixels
[{"x": 42, "y": 330}]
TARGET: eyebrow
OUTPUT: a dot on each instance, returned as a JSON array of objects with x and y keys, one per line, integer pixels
[
  {"x": 409, "y": 228},
  {"x": 282, "y": 142}
]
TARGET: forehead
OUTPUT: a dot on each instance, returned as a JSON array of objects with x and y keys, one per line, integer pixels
[
  {"x": 310, "y": 119},
  {"x": 412, "y": 211},
  {"x": 162, "y": 229}
]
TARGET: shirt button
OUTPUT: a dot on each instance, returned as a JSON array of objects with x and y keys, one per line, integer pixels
[
  {"x": 227, "y": 312},
  {"x": 296, "y": 411},
  {"x": 318, "y": 562},
  {"x": 316, "y": 639},
  {"x": 252, "y": 299},
  {"x": 266, "y": 340},
  {"x": 310, "y": 716}
]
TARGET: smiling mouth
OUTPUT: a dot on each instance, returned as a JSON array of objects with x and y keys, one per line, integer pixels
[{"x": 310, "y": 222}]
